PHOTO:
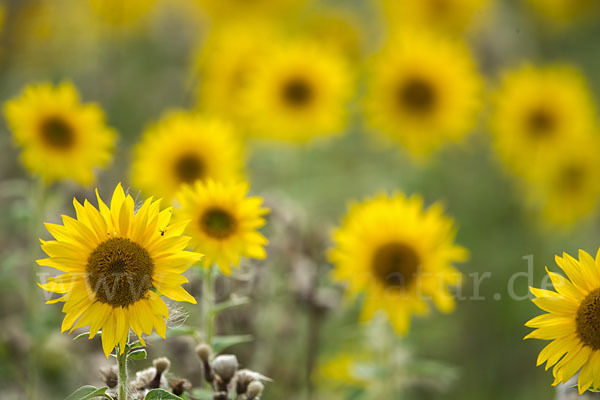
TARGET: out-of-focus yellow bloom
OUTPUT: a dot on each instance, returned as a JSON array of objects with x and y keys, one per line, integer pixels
[
  {"x": 117, "y": 263},
  {"x": 235, "y": 10},
  {"x": 2, "y": 16},
  {"x": 338, "y": 29},
  {"x": 183, "y": 148},
  {"x": 121, "y": 12},
  {"x": 299, "y": 93},
  {"x": 399, "y": 255},
  {"x": 572, "y": 321},
  {"x": 225, "y": 222},
  {"x": 562, "y": 12},
  {"x": 340, "y": 370},
  {"x": 227, "y": 60},
  {"x": 450, "y": 16},
  {"x": 537, "y": 112},
  {"x": 61, "y": 137},
  {"x": 423, "y": 91},
  {"x": 566, "y": 187}
]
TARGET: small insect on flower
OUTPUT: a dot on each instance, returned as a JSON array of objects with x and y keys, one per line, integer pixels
[
  {"x": 116, "y": 266},
  {"x": 61, "y": 138},
  {"x": 572, "y": 322},
  {"x": 225, "y": 222},
  {"x": 399, "y": 255}
]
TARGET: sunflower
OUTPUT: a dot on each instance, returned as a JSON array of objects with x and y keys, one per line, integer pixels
[
  {"x": 450, "y": 16},
  {"x": 236, "y": 10},
  {"x": 298, "y": 93},
  {"x": 566, "y": 188},
  {"x": 572, "y": 322},
  {"x": 339, "y": 29},
  {"x": 225, "y": 222},
  {"x": 423, "y": 91},
  {"x": 225, "y": 63},
  {"x": 562, "y": 12},
  {"x": 398, "y": 254},
  {"x": 536, "y": 113},
  {"x": 121, "y": 13},
  {"x": 183, "y": 148},
  {"x": 61, "y": 138},
  {"x": 117, "y": 264}
]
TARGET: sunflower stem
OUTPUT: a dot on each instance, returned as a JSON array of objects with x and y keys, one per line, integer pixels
[
  {"x": 122, "y": 367},
  {"x": 208, "y": 297}
]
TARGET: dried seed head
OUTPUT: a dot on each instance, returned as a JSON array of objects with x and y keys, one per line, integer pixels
[
  {"x": 225, "y": 366},
  {"x": 161, "y": 364},
  {"x": 244, "y": 377},
  {"x": 203, "y": 351},
  {"x": 109, "y": 376},
  {"x": 179, "y": 385},
  {"x": 255, "y": 389}
]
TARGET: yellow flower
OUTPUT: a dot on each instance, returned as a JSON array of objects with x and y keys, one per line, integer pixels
[
  {"x": 121, "y": 13},
  {"x": 423, "y": 91},
  {"x": 567, "y": 188},
  {"x": 183, "y": 148},
  {"x": 61, "y": 138},
  {"x": 452, "y": 16},
  {"x": 562, "y": 12},
  {"x": 397, "y": 254},
  {"x": 225, "y": 63},
  {"x": 537, "y": 112},
  {"x": 236, "y": 10},
  {"x": 572, "y": 322},
  {"x": 340, "y": 370},
  {"x": 117, "y": 264},
  {"x": 300, "y": 92},
  {"x": 225, "y": 222},
  {"x": 337, "y": 29}
]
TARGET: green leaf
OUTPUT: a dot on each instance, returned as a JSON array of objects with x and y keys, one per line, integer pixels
[
  {"x": 231, "y": 303},
  {"x": 182, "y": 330},
  {"x": 220, "y": 343},
  {"x": 202, "y": 394},
  {"x": 137, "y": 354},
  {"x": 86, "y": 334},
  {"x": 88, "y": 392},
  {"x": 160, "y": 394}
]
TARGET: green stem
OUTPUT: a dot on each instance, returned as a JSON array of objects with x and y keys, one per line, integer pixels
[
  {"x": 208, "y": 298},
  {"x": 122, "y": 366}
]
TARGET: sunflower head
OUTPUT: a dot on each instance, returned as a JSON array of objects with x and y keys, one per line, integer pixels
[
  {"x": 398, "y": 254},
  {"x": 571, "y": 322},
  {"x": 116, "y": 265},
  {"x": 185, "y": 148},
  {"x": 423, "y": 91},
  {"x": 224, "y": 222},
  {"x": 61, "y": 138}
]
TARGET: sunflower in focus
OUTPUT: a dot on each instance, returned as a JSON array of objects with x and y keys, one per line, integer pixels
[
  {"x": 299, "y": 93},
  {"x": 183, "y": 148},
  {"x": 567, "y": 188},
  {"x": 225, "y": 222},
  {"x": 225, "y": 63},
  {"x": 61, "y": 137},
  {"x": 565, "y": 11},
  {"x": 423, "y": 91},
  {"x": 121, "y": 13},
  {"x": 536, "y": 113},
  {"x": 449, "y": 16},
  {"x": 398, "y": 255},
  {"x": 117, "y": 263},
  {"x": 572, "y": 321}
]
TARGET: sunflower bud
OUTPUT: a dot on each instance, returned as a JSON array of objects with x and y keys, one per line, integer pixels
[
  {"x": 255, "y": 389},
  {"x": 225, "y": 366},
  {"x": 203, "y": 351}
]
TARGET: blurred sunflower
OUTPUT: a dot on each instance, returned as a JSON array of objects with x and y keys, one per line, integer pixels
[
  {"x": 572, "y": 322},
  {"x": 225, "y": 222},
  {"x": 423, "y": 91},
  {"x": 117, "y": 264},
  {"x": 299, "y": 93},
  {"x": 341, "y": 369},
  {"x": 537, "y": 111},
  {"x": 567, "y": 187},
  {"x": 398, "y": 254},
  {"x": 565, "y": 11},
  {"x": 183, "y": 148},
  {"x": 61, "y": 138},
  {"x": 337, "y": 29},
  {"x": 235, "y": 10},
  {"x": 227, "y": 60},
  {"x": 450, "y": 16},
  {"x": 121, "y": 13}
]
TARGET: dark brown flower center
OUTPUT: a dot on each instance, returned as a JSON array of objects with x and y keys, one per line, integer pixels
[
  {"x": 396, "y": 265},
  {"x": 57, "y": 133},
  {"x": 189, "y": 168},
  {"x": 119, "y": 272},
  {"x": 297, "y": 92},
  {"x": 541, "y": 123},
  {"x": 218, "y": 223},
  {"x": 587, "y": 320},
  {"x": 417, "y": 95}
]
